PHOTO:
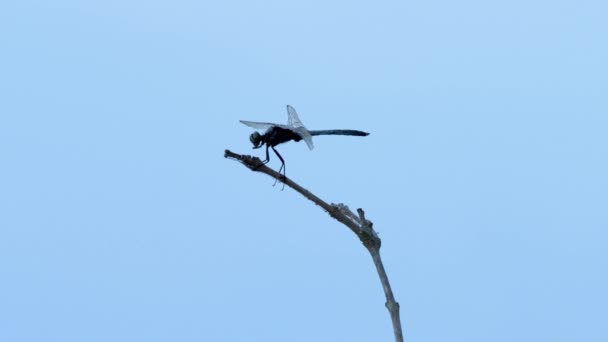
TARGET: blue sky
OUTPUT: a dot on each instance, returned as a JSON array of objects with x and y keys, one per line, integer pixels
[{"x": 485, "y": 171}]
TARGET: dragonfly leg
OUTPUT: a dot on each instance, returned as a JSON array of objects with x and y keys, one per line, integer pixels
[
  {"x": 264, "y": 161},
  {"x": 283, "y": 168},
  {"x": 267, "y": 156}
]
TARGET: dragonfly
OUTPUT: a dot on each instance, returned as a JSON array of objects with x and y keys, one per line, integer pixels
[{"x": 294, "y": 130}]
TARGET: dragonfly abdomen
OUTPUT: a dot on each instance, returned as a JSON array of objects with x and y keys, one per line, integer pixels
[{"x": 339, "y": 132}]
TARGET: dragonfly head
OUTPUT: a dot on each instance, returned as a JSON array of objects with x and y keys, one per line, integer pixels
[{"x": 256, "y": 139}]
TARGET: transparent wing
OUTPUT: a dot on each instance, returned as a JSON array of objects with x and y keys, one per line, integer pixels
[
  {"x": 293, "y": 119},
  {"x": 297, "y": 126},
  {"x": 258, "y": 125}
]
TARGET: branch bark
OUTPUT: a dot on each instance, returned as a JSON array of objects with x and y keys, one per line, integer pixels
[{"x": 357, "y": 223}]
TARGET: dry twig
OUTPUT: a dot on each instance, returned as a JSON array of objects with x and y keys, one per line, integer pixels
[{"x": 357, "y": 223}]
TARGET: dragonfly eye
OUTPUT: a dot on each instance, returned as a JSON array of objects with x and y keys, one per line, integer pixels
[{"x": 256, "y": 139}]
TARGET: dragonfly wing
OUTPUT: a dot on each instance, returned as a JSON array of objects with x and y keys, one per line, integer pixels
[
  {"x": 297, "y": 126},
  {"x": 305, "y": 134},
  {"x": 258, "y": 125},
  {"x": 293, "y": 118}
]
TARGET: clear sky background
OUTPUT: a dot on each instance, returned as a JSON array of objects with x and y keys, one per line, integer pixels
[{"x": 485, "y": 172}]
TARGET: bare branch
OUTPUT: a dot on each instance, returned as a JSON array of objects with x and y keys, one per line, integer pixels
[{"x": 357, "y": 223}]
